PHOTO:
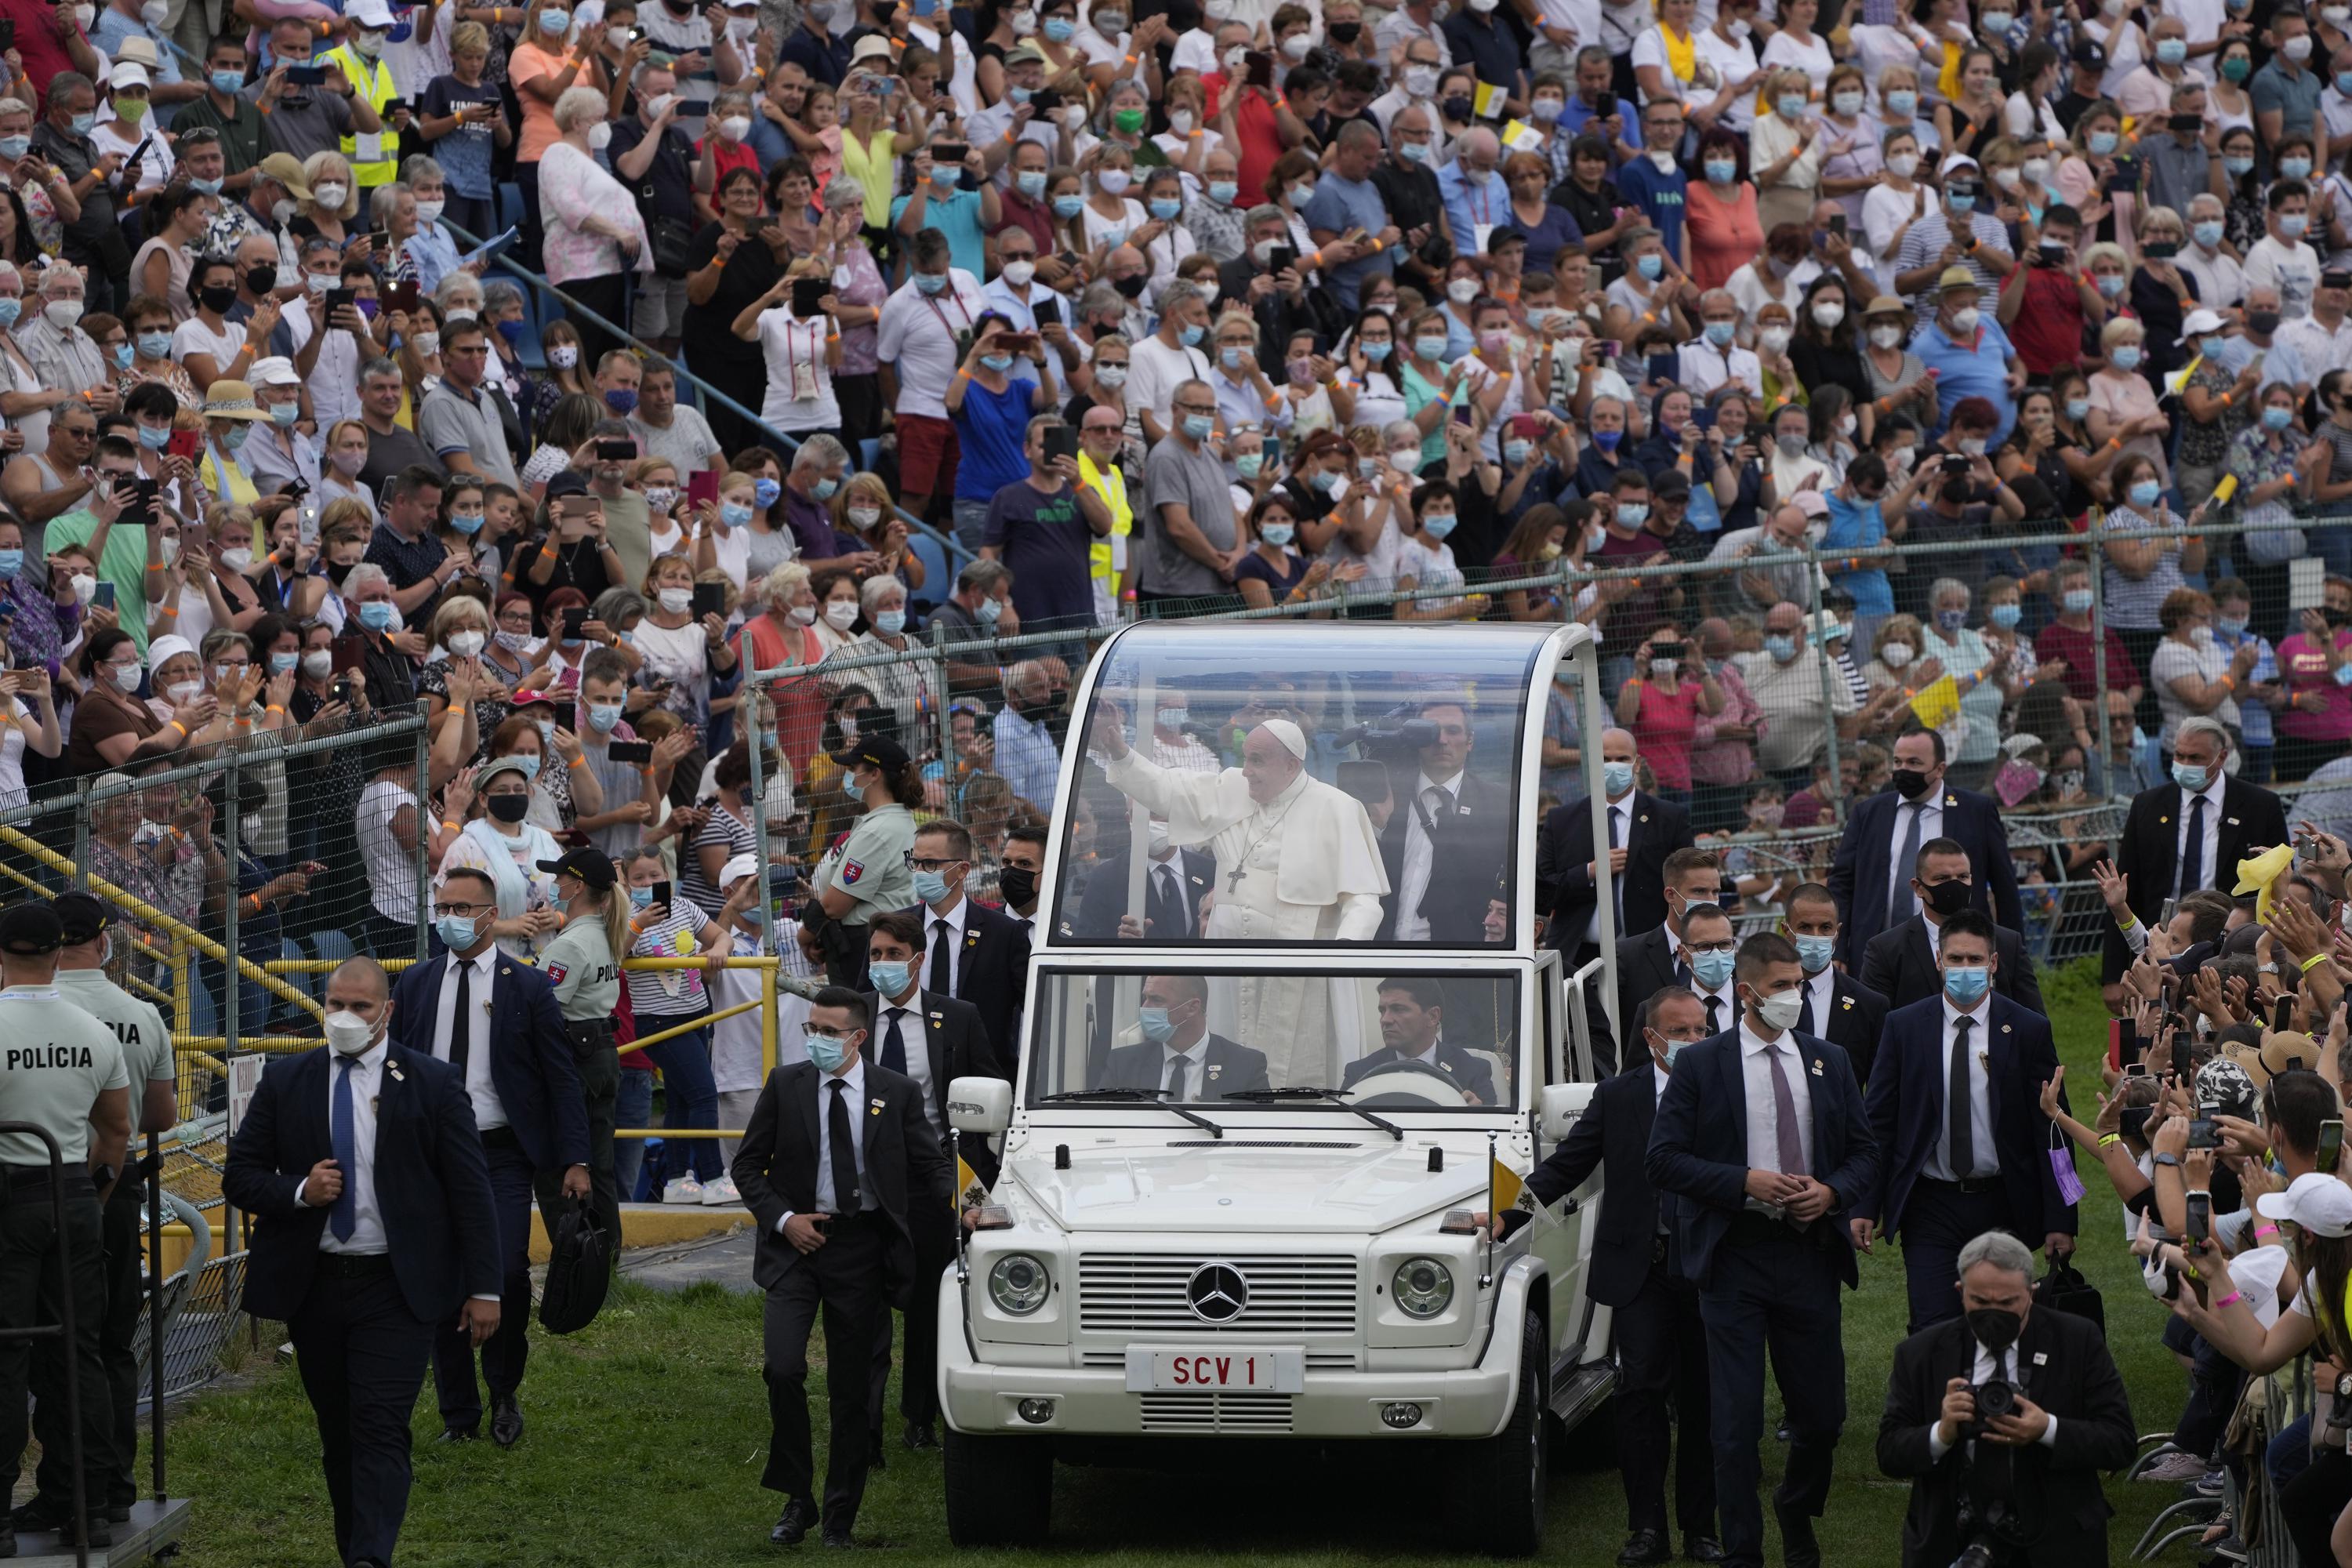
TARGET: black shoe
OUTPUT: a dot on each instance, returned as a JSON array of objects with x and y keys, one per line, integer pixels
[
  {"x": 873, "y": 1458},
  {"x": 505, "y": 1422},
  {"x": 459, "y": 1435},
  {"x": 118, "y": 1514},
  {"x": 837, "y": 1536},
  {"x": 1645, "y": 1546},
  {"x": 7, "y": 1539},
  {"x": 1799, "y": 1548},
  {"x": 101, "y": 1533},
  {"x": 919, "y": 1434},
  {"x": 1700, "y": 1548},
  {"x": 793, "y": 1524}
]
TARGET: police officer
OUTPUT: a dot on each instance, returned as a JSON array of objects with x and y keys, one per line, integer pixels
[
  {"x": 147, "y": 1061},
  {"x": 584, "y": 964},
  {"x": 61, "y": 1070}
]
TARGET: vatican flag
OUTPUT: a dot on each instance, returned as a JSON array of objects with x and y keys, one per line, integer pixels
[
  {"x": 970, "y": 1191},
  {"x": 1506, "y": 1191}
]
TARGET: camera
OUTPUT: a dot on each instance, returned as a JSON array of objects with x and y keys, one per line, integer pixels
[
  {"x": 1994, "y": 1532},
  {"x": 1995, "y": 1397},
  {"x": 1396, "y": 734}
]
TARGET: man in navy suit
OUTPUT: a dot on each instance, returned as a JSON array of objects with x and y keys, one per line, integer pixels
[
  {"x": 373, "y": 1227},
  {"x": 1837, "y": 1008},
  {"x": 1175, "y": 883},
  {"x": 1412, "y": 1030},
  {"x": 1178, "y": 1054},
  {"x": 1642, "y": 829},
  {"x": 1444, "y": 838},
  {"x": 1899, "y": 962},
  {"x": 975, "y": 955},
  {"x": 1956, "y": 1106},
  {"x": 494, "y": 1021},
  {"x": 1872, "y": 875},
  {"x": 1761, "y": 1145}
]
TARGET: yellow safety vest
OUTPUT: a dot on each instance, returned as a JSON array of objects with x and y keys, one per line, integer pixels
[
  {"x": 376, "y": 83},
  {"x": 1102, "y": 555}
]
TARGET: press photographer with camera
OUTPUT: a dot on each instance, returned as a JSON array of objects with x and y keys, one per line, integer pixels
[{"x": 2002, "y": 1420}]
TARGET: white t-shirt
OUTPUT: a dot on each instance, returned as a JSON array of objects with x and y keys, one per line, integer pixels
[
  {"x": 392, "y": 870},
  {"x": 795, "y": 348},
  {"x": 1784, "y": 53},
  {"x": 2291, "y": 269},
  {"x": 1885, "y": 213},
  {"x": 192, "y": 336},
  {"x": 1733, "y": 62},
  {"x": 1154, "y": 370}
]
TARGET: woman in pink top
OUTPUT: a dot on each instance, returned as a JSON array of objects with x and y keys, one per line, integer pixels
[
  {"x": 2316, "y": 666},
  {"x": 1720, "y": 213},
  {"x": 1662, "y": 705},
  {"x": 540, "y": 68}
]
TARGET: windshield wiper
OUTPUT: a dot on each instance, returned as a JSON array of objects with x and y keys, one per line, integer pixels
[
  {"x": 1335, "y": 1096},
  {"x": 1076, "y": 1096}
]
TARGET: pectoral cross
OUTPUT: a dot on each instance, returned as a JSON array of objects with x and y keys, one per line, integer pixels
[{"x": 1234, "y": 881}]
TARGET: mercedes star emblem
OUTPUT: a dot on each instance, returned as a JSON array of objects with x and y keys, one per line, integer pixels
[{"x": 1218, "y": 1292}]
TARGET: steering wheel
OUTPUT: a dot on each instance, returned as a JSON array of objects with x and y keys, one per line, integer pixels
[{"x": 1401, "y": 1085}]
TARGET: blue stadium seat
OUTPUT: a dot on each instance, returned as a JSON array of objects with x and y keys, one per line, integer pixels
[
  {"x": 869, "y": 451},
  {"x": 509, "y": 207},
  {"x": 939, "y": 572}
]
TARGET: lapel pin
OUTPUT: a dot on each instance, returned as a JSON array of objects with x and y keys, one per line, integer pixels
[
  {"x": 1817, "y": 1067},
  {"x": 2233, "y": 821},
  {"x": 2004, "y": 1028},
  {"x": 2163, "y": 821},
  {"x": 939, "y": 1017},
  {"x": 393, "y": 1068},
  {"x": 1214, "y": 1068},
  {"x": 876, "y": 1108},
  {"x": 1846, "y": 1003},
  {"x": 1645, "y": 816},
  {"x": 2042, "y": 1358}
]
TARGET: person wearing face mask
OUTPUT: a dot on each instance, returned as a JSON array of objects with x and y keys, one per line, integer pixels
[
  {"x": 1762, "y": 1143},
  {"x": 2283, "y": 258},
  {"x": 1659, "y": 872},
  {"x": 382, "y": 1228},
  {"x": 2072, "y": 1418},
  {"x": 2318, "y": 721},
  {"x": 502, "y": 844},
  {"x": 1901, "y": 962},
  {"x": 1044, "y": 526},
  {"x": 966, "y": 950},
  {"x": 94, "y": 239},
  {"x": 919, "y": 332},
  {"x": 1882, "y": 837},
  {"x": 596, "y": 236},
  {"x": 278, "y": 457},
  {"x": 1837, "y": 1007},
  {"x": 868, "y": 872}
]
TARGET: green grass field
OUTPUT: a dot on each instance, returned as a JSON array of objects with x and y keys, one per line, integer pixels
[{"x": 648, "y": 1433}]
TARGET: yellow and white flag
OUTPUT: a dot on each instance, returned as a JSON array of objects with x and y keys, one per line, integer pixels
[
  {"x": 1509, "y": 1192},
  {"x": 970, "y": 1191},
  {"x": 1488, "y": 102},
  {"x": 1938, "y": 703}
]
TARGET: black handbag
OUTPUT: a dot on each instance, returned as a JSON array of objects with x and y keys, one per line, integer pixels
[
  {"x": 2063, "y": 1290},
  {"x": 672, "y": 239},
  {"x": 578, "y": 1270}
]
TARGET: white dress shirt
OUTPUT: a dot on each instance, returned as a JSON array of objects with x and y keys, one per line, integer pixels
[
  {"x": 481, "y": 1088},
  {"x": 1195, "y": 1058},
  {"x": 1931, "y": 826},
  {"x": 1621, "y": 813},
  {"x": 1763, "y": 1116},
  {"x": 917, "y": 1039},
  {"x": 2211, "y": 793},
  {"x": 855, "y": 1077},
  {"x": 1988, "y": 1159},
  {"x": 1984, "y": 1366},
  {"x": 1420, "y": 854},
  {"x": 955, "y": 919},
  {"x": 1935, "y": 938},
  {"x": 367, "y": 1238}
]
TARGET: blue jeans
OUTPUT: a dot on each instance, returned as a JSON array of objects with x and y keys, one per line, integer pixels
[
  {"x": 2289, "y": 1451},
  {"x": 691, "y": 1094},
  {"x": 631, "y": 1107}
]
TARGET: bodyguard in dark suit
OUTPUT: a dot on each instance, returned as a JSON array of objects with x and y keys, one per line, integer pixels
[
  {"x": 1661, "y": 1343},
  {"x": 1173, "y": 888},
  {"x": 1837, "y": 1008},
  {"x": 494, "y": 1021},
  {"x": 1900, "y": 963},
  {"x": 1177, "y": 1053},
  {"x": 1444, "y": 838},
  {"x": 978, "y": 956},
  {"x": 1760, "y": 1147},
  {"x": 1412, "y": 1028},
  {"x": 934, "y": 1040},
  {"x": 1645, "y": 828},
  {"x": 1872, "y": 874},
  {"x": 2073, "y": 1420},
  {"x": 373, "y": 1227},
  {"x": 1671, "y": 954},
  {"x": 2190, "y": 833},
  {"x": 1955, "y": 1107},
  {"x": 834, "y": 1166}
]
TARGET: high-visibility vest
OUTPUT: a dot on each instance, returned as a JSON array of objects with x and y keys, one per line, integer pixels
[
  {"x": 1102, "y": 555},
  {"x": 376, "y": 84}
]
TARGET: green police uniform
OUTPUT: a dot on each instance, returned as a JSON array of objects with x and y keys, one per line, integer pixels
[
  {"x": 580, "y": 964},
  {"x": 870, "y": 865},
  {"x": 146, "y": 1043},
  {"x": 55, "y": 1061}
]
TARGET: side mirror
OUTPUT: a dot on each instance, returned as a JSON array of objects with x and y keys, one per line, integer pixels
[
  {"x": 1562, "y": 1104},
  {"x": 980, "y": 1105}
]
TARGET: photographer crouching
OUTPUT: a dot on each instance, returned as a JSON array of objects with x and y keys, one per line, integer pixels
[{"x": 2001, "y": 1421}]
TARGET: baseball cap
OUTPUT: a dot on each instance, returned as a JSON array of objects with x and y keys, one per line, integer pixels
[
  {"x": 1024, "y": 53},
  {"x": 82, "y": 915},
  {"x": 874, "y": 751},
  {"x": 286, "y": 170},
  {"x": 372, "y": 15},
  {"x": 1959, "y": 161},
  {"x": 128, "y": 73},
  {"x": 2200, "y": 324},
  {"x": 30, "y": 927},
  {"x": 592, "y": 866},
  {"x": 735, "y": 871},
  {"x": 2089, "y": 55},
  {"x": 2319, "y": 1202},
  {"x": 274, "y": 371}
]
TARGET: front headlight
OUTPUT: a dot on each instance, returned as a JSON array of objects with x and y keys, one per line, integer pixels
[
  {"x": 1018, "y": 1284},
  {"x": 1422, "y": 1285}
]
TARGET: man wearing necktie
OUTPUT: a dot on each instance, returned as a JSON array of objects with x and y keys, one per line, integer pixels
[
  {"x": 1703, "y": 963},
  {"x": 1837, "y": 1008},
  {"x": 970, "y": 950},
  {"x": 1759, "y": 1146},
  {"x": 1178, "y": 1054},
  {"x": 933, "y": 1040},
  {"x": 1442, "y": 842},
  {"x": 836, "y": 1162},
  {"x": 1644, "y": 832},
  {"x": 1885, "y": 833},
  {"x": 1955, "y": 1104},
  {"x": 372, "y": 1226},
  {"x": 1017, "y": 877}
]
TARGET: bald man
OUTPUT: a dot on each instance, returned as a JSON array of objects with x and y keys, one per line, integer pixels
[
  {"x": 1475, "y": 197},
  {"x": 1297, "y": 861},
  {"x": 1644, "y": 830}
]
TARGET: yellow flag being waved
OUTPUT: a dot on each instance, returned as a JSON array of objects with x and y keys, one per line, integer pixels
[{"x": 1937, "y": 702}]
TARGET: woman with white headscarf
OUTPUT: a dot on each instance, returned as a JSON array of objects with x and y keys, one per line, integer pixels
[{"x": 506, "y": 848}]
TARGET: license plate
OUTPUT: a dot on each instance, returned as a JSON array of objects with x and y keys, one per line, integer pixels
[{"x": 1218, "y": 1369}]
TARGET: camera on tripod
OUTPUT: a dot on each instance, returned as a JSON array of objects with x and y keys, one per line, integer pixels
[{"x": 1397, "y": 735}]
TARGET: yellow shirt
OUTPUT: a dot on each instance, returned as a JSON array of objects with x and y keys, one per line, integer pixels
[
  {"x": 1107, "y": 554},
  {"x": 876, "y": 168},
  {"x": 376, "y": 83},
  {"x": 226, "y": 478}
]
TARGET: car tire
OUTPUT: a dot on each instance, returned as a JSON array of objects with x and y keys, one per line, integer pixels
[
  {"x": 1499, "y": 1482},
  {"x": 1000, "y": 1490}
]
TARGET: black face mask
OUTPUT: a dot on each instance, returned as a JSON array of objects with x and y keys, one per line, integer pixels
[
  {"x": 1130, "y": 287},
  {"x": 1456, "y": 107},
  {"x": 1909, "y": 782},
  {"x": 216, "y": 299},
  {"x": 1017, "y": 883},
  {"x": 1948, "y": 898},
  {"x": 2263, "y": 323},
  {"x": 1996, "y": 1328},
  {"x": 260, "y": 281},
  {"x": 508, "y": 808},
  {"x": 1344, "y": 32}
]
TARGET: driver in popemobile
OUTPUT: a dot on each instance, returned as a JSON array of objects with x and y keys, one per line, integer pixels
[
  {"x": 1412, "y": 1030},
  {"x": 1178, "y": 1054}
]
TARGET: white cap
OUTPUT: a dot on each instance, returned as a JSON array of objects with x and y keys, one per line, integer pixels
[
  {"x": 1284, "y": 730},
  {"x": 374, "y": 14},
  {"x": 1813, "y": 503},
  {"x": 2201, "y": 323},
  {"x": 274, "y": 371},
  {"x": 1959, "y": 161},
  {"x": 2321, "y": 1203},
  {"x": 161, "y": 650},
  {"x": 128, "y": 73},
  {"x": 735, "y": 871}
]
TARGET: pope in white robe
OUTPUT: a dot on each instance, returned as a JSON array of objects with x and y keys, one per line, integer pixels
[{"x": 1297, "y": 861}]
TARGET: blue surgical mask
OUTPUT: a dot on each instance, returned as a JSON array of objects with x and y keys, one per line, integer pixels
[
  {"x": 1200, "y": 426},
  {"x": 2077, "y": 601},
  {"x": 1414, "y": 152},
  {"x": 1967, "y": 984},
  {"x": 764, "y": 492},
  {"x": 2234, "y": 626},
  {"x": 2277, "y": 418},
  {"x": 931, "y": 282},
  {"x": 1190, "y": 336},
  {"x": 1633, "y": 514},
  {"x": 1649, "y": 264},
  {"x": 889, "y": 974},
  {"x": 1439, "y": 524},
  {"x": 82, "y": 124},
  {"x": 1279, "y": 534},
  {"x": 1376, "y": 353},
  {"x": 1429, "y": 348},
  {"x": 2237, "y": 168},
  {"x": 1223, "y": 192},
  {"x": 1962, "y": 201},
  {"x": 10, "y": 309},
  {"x": 2294, "y": 169},
  {"x": 1031, "y": 183},
  {"x": 1902, "y": 104},
  {"x": 604, "y": 716},
  {"x": 2171, "y": 51},
  {"x": 2207, "y": 233},
  {"x": 2144, "y": 492},
  {"x": 1155, "y": 1023},
  {"x": 2078, "y": 409},
  {"x": 931, "y": 887},
  {"x": 1711, "y": 969},
  {"x": 2124, "y": 356},
  {"x": 1249, "y": 464},
  {"x": 456, "y": 931},
  {"x": 2102, "y": 143},
  {"x": 376, "y": 614},
  {"x": 734, "y": 514},
  {"x": 1782, "y": 650},
  {"x": 1720, "y": 333},
  {"x": 227, "y": 83},
  {"x": 997, "y": 363},
  {"x": 1815, "y": 952},
  {"x": 1231, "y": 358},
  {"x": 1721, "y": 171},
  {"x": 528, "y": 762},
  {"x": 2004, "y": 615},
  {"x": 2292, "y": 225},
  {"x": 890, "y": 623},
  {"x": 1792, "y": 105},
  {"x": 1516, "y": 452},
  {"x": 2191, "y": 777},
  {"x": 641, "y": 898},
  {"x": 1616, "y": 778},
  {"x": 10, "y": 562},
  {"x": 826, "y": 1052},
  {"x": 123, "y": 354},
  {"x": 1165, "y": 208},
  {"x": 2343, "y": 676},
  {"x": 1059, "y": 28},
  {"x": 284, "y": 663},
  {"x": 156, "y": 345},
  {"x": 15, "y": 146},
  {"x": 990, "y": 611},
  {"x": 469, "y": 523},
  {"x": 1068, "y": 206}
]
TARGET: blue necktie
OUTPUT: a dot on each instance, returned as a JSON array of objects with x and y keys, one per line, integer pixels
[{"x": 344, "y": 1218}]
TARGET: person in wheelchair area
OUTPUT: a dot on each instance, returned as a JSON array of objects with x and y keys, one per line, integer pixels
[{"x": 1413, "y": 1033}]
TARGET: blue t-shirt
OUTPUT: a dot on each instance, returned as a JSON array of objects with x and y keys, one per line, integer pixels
[
  {"x": 1045, "y": 540},
  {"x": 1969, "y": 370},
  {"x": 1859, "y": 525},
  {"x": 1660, "y": 197},
  {"x": 992, "y": 429},
  {"x": 1339, "y": 205},
  {"x": 957, "y": 218}
]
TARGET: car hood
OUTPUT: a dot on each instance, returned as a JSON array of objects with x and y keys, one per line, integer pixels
[{"x": 1320, "y": 1180}]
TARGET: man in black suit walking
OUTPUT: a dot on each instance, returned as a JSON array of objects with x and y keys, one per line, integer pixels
[
  {"x": 2043, "y": 1460},
  {"x": 1837, "y": 1008},
  {"x": 1955, "y": 1107},
  {"x": 1900, "y": 963},
  {"x": 1177, "y": 1053},
  {"x": 835, "y": 1161},
  {"x": 2189, "y": 834},
  {"x": 1661, "y": 1343},
  {"x": 1174, "y": 885},
  {"x": 978, "y": 956},
  {"x": 494, "y": 1021},
  {"x": 1673, "y": 953},
  {"x": 1412, "y": 1030},
  {"x": 1643, "y": 831},
  {"x": 1443, "y": 841},
  {"x": 1761, "y": 1145},
  {"x": 372, "y": 1226},
  {"x": 1871, "y": 876},
  {"x": 934, "y": 1040}
]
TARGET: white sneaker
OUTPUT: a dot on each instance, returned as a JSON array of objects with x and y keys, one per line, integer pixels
[
  {"x": 720, "y": 1193},
  {"x": 687, "y": 1190}
]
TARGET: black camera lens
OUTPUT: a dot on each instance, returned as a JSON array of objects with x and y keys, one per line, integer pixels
[{"x": 1995, "y": 1397}]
